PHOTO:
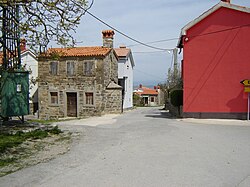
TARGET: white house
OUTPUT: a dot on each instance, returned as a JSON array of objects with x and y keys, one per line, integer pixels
[
  {"x": 29, "y": 60},
  {"x": 150, "y": 97},
  {"x": 125, "y": 74}
]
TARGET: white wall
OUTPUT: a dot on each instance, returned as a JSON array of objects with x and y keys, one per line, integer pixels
[
  {"x": 125, "y": 70},
  {"x": 32, "y": 65}
]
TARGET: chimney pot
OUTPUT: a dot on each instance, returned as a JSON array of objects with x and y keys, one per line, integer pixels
[
  {"x": 140, "y": 86},
  {"x": 23, "y": 44},
  {"x": 123, "y": 47},
  {"x": 108, "y": 36},
  {"x": 226, "y": 1}
]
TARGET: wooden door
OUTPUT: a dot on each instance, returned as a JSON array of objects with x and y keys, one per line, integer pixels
[{"x": 72, "y": 104}]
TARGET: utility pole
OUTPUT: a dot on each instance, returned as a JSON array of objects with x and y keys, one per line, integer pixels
[{"x": 175, "y": 52}]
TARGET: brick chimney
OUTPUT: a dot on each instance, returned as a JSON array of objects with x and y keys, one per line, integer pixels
[
  {"x": 226, "y": 1},
  {"x": 22, "y": 44},
  {"x": 108, "y": 36}
]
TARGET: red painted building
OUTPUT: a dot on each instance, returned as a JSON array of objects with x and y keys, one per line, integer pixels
[{"x": 216, "y": 57}]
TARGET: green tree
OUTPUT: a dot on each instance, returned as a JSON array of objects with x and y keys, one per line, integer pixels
[{"x": 42, "y": 21}]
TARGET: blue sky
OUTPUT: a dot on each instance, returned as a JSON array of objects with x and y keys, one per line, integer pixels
[{"x": 145, "y": 21}]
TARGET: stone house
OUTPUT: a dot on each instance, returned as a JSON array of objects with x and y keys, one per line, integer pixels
[{"x": 79, "y": 81}]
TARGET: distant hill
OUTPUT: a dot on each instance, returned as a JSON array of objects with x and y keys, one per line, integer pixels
[
  {"x": 149, "y": 83},
  {"x": 146, "y": 85}
]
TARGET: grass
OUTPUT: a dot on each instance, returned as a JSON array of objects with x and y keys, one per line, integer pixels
[
  {"x": 48, "y": 122},
  {"x": 5, "y": 162},
  {"x": 45, "y": 122},
  {"x": 8, "y": 141},
  {"x": 13, "y": 152}
]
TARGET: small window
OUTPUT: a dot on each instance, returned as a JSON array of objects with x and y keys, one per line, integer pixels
[
  {"x": 88, "y": 68},
  {"x": 53, "y": 68},
  {"x": 70, "y": 68},
  {"x": 89, "y": 98},
  {"x": 54, "y": 98},
  {"x": 152, "y": 99}
]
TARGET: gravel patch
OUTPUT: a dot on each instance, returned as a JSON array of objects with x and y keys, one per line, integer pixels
[{"x": 32, "y": 152}]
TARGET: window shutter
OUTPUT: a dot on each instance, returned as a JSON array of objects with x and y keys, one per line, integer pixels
[
  {"x": 88, "y": 68},
  {"x": 53, "y": 68},
  {"x": 70, "y": 68}
]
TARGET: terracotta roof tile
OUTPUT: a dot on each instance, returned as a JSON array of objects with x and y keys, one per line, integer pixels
[
  {"x": 80, "y": 51},
  {"x": 146, "y": 91},
  {"x": 122, "y": 52}
]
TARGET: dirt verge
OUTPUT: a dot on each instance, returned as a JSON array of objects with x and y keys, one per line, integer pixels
[{"x": 32, "y": 152}]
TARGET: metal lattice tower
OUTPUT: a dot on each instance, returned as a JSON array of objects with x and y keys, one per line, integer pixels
[
  {"x": 14, "y": 82},
  {"x": 10, "y": 34}
]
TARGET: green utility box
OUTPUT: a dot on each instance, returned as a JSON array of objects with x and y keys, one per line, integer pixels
[{"x": 14, "y": 94}]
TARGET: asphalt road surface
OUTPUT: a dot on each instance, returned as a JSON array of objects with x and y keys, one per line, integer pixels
[{"x": 146, "y": 147}]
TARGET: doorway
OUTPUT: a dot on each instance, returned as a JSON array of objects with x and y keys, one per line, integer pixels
[
  {"x": 71, "y": 104},
  {"x": 146, "y": 101}
]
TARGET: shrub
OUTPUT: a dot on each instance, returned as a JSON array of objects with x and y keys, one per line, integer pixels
[
  {"x": 55, "y": 130},
  {"x": 176, "y": 98},
  {"x": 137, "y": 100}
]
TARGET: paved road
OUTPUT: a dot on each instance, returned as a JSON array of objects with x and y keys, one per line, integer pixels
[{"x": 145, "y": 147}]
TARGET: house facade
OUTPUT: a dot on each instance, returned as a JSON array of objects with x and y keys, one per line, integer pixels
[
  {"x": 149, "y": 97},
  {"x": 30, "y": 61},
  {"x": 215, "y": 60},
  {"x": 125, "y": 75},
  {"x": 80, "y": 81}
]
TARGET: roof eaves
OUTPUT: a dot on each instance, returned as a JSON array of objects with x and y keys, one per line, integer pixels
[
  {"x": 28, "y": 51},
  {"x": 131, "y": 58},
  {"x": 207, "y": 13}
]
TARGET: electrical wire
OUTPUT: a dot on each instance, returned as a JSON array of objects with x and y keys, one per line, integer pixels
[
  {"x": 157, "y": 41},
  {"x": 215, "y": 32},
  {"x": 149, "y": 52},
  {"x": 145, "y": 73},
  {"x": 125, "y": 35}
]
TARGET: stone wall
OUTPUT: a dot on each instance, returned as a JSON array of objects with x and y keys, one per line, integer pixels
[
  {"x": 113, "y": 101},
  {"x": 104, "y": 70},
  {"x": 110, "y": 69}
]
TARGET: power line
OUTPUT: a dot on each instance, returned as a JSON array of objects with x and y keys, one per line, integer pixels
[
  {"x": 223, "y": 30},
  {"x": 149, "y": 52},
  {"x": 125, "y": 35},
  {"x": 214, "y": 32},
  {"x": 157, "y": 41},
  {"x": 145, "y": 73}
]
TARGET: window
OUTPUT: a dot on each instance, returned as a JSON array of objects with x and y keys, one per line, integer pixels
[
  {"x": 89, "y": 96},
  {"x": 54, "y": 98},
  {"x": 152, "y": 99},
  {"x": 70, "y": 68},
  {"x": 53, "y": 68},
  {"x": 88, "y": 68}
]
